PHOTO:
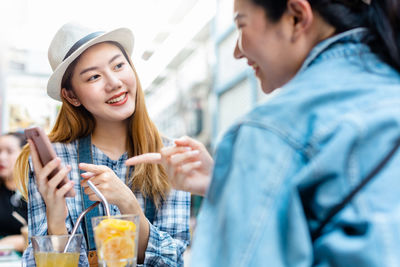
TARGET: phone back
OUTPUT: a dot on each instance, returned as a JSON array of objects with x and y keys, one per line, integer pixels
[
  {"x": 42, "y": 143},
  {"x": 46, "y": 152}
]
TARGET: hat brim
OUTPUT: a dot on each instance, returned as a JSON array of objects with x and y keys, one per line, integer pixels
[{"x": 123, "y": 36}]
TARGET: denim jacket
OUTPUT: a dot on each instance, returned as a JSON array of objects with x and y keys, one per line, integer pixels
[{"x": 281, "y": 167}]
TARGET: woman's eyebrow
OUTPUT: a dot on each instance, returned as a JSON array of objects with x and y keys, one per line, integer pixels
[
  {"x": 114, "y": 58},
  {"x": 88, "y": 69},
  {"x": 237, "y": 16}
]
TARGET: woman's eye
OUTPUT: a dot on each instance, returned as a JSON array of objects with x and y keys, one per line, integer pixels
[
  {"x": 118, "y": 66},
  {"x": 94, "y": 77}
]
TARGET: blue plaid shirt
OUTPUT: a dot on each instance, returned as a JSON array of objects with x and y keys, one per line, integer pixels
[{"x": 169, "y": 233}]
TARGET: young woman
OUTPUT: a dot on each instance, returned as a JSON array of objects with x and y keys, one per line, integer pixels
[
  {"x": 102, "y": 121},
  {"x": 281, "y": 169},
  {"x": 11, "y": 201}
]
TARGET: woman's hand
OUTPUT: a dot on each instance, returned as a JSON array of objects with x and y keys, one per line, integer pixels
[
  {"x": 188, "y": 164},
  {"x": 108, "y": 183},
  {"x": 16, "y": 241},
  {"x": 54, "y": 198},
  {"x": 117, "y": 193}
]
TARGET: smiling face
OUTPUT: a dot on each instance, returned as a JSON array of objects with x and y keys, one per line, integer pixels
[
  {"x": 268, "y": 46},
  {"x": 9, "y": 151},
  {"x": 104, "y": 83}
]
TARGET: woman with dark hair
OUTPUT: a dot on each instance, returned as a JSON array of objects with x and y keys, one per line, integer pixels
[
  {"x": 13, "y": 211},
  {"x": 282, "y": 169}
]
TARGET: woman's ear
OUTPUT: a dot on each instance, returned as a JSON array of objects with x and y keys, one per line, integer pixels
[
  {"x": 301, "y": 15},
  {"x": 70, "y": 96}
]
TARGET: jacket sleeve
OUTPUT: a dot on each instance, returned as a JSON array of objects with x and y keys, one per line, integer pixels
[{"x": 251, "y": 215}]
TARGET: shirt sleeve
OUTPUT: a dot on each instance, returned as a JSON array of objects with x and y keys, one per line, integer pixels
[
  {"x": 37, "y": 222},
  {"x": 250, "y": 215},
  {"x": 169, "y": 235}
]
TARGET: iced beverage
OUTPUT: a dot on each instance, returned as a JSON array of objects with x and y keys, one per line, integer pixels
[
  {"x": 49, "y": 250},
  {"x": 55, "y": 259},
  {"x": 116, "y": 240}
]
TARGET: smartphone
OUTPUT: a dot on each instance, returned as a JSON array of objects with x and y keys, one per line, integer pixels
[{"x": 45, "y": 150}]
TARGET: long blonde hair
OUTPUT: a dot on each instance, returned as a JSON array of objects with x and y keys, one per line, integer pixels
[{"x": 143, "y": 137}]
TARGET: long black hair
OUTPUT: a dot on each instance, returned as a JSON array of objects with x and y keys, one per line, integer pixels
[{"x": 381, "y": 17}]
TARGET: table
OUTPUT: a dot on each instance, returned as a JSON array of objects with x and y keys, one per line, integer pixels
[
  {"x": 10, "y": 263},
  {"x": 12, "y": 260}
]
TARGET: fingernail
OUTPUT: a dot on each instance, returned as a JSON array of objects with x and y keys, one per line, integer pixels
[{"x": 87, "y": 174}]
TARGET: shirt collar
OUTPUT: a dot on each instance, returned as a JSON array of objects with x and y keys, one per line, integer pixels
[{"x": 356, "y": 34}]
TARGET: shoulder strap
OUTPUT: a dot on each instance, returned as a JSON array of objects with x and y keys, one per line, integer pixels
[
  {"x": 85, "y": 156},
  {"x": 337, "y": 208},
  {"x": 150, "y": 210}
]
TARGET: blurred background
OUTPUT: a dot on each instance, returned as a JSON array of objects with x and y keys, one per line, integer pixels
[{"x": 183, "y": 54}]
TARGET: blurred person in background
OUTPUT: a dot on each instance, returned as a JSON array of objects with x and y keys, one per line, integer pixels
[
  {"x": 103, "y": 120},
  {"x": 281, "y": 168},
  {"x": 13, "y": 209}
]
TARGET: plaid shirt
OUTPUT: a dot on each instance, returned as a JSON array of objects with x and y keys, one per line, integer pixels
[{"x": 169, "y": 233}]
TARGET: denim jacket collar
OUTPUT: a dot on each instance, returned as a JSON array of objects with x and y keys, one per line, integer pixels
[{"x": 354, "y": 34}]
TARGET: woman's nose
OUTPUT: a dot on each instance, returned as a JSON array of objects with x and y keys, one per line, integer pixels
[
  {"x": 237, "y": 53},
  {"x": 3, "y": 155},
  {"x": 113, "y": 81}
]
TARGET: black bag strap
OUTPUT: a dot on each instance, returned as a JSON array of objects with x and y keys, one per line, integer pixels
[
  {"x": 150, "y": 210},
  {"x": 337, "y": 208}
]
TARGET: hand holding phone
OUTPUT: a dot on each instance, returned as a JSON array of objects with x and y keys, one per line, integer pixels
[{"x": 45, "y": 151}]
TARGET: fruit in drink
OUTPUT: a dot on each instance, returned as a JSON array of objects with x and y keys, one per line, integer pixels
[{"x": 115, "y": 240}]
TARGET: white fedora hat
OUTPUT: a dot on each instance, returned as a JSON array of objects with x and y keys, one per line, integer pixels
[{"x": 73, "y": 39}]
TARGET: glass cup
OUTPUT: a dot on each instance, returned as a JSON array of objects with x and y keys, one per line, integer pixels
[
  {"x": 49, "y": 250},
  {"x": 116, "y": 240}
]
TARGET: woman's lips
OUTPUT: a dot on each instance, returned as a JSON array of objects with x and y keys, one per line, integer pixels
[{"x": 118, "y": 100}]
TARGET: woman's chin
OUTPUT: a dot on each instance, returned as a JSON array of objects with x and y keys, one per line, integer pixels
[{"x": 266, "y": 87}]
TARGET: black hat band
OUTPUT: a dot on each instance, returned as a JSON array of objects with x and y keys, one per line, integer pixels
[{"x": 82, "y": 41}]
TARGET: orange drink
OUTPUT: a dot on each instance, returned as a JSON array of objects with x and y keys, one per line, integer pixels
[{"x": 116, "y": 240}]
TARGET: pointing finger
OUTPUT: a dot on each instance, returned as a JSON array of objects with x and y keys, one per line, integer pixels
[
  {"x": 92, "y": 168},
  {"x": 144, "y": 158}
]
